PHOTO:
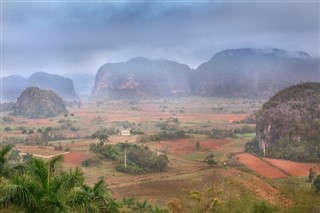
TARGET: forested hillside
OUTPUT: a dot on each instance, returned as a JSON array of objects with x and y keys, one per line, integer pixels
[{"x": 288, "y": 125}]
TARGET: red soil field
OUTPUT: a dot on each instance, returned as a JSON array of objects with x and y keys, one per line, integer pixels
[
  {"x": 293, "y": 168},
  {"x": 259, "y": 166},
  {"x": 186, "y": 146},
  {"x": 76, "y": 158}
]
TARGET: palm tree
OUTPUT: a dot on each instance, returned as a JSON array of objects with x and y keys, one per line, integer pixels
[
  {"x": 15, "y": 156},
  {"x": 27, "y": 157},
  {"x": 142, "y": 206},
  {"x": 3, "y": 159},
  {"x": 94, "y": 199},
  {"x": 45, "y": 187},
  {"x": 129, "y": 202},
  {"x": 156, "y": 209},
  {"x": 6, "y": 168},
  {"x": 42, "y": 188}
]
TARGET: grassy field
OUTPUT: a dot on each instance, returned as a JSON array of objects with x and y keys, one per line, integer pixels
[{"x": 240, "y": 189}]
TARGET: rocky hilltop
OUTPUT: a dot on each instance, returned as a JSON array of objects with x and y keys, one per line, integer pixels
[
  {"x": 288, "y": 125},
  {"x": 13, "y": 85},
  {"x": 36, "y": 103},
  {"x": 142, "y": 77},
  {"x": 234, "y": 73},
  {"x": 251, "y": 73}
]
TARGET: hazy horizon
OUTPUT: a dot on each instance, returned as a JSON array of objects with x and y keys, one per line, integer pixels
[{"x": 71, "y": 37}]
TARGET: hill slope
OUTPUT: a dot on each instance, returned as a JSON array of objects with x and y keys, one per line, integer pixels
[
  {"x": 36, "y": 103},
  {"x": 288, "y": 125},
  {"x": 13, "y": 85},
  {"x": 254, "y": 72},
  {"x": 59, "y": 84},
  {"x": 141, "y": 77}
]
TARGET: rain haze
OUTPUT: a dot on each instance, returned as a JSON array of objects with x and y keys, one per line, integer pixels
[{"x": 70, "y": 37}]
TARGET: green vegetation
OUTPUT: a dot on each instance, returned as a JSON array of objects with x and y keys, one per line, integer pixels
[
  {"x": 131, "y": 158},
  {"x": 165, "y": 135},
  {"x": 210, "y": 160},
  {"x": 288, "y": 125},
  {"x": 44, "y": 186},
  {"x": 36, "y": 103},
  {"x": 40, "y": 186},
  {"x": 316, "y": 184},
  {"x": 263, "y": 207},
  {"x": 132, "y": 205},
  {"x": 102, "y": 135},
  {"x": 6, "y": 119}
]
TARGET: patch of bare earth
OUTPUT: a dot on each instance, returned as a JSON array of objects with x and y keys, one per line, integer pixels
[
  {"x": 76, "y": 158},
  {"x": 259, "y": 166},
  {"x": 293, "y": 168},
  {"x": 187, "y": 146}
]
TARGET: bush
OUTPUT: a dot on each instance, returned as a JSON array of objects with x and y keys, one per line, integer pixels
[
  {"x": 316, "y": 184},
  {"x": 86, "y": 163},
  {"x": 221, "y": 134},
  {"x": 165, "y": 135},
  {"x": 7, "y": 120},
  {"x": 7, "y": 129},
  {"x": 139, "y": 158}
]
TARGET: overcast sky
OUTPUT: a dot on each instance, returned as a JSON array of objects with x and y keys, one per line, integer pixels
[{"x": 63, "y": 37}]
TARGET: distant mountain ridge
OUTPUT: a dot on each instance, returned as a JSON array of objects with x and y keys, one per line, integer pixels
[
  {"x": 13, "y": 85},
  {"x": 232, "y": 73},
  {"x": 142, "y": 77},
  {"x": 257, "y": 73},
  {"x": 235, "y": 73}
]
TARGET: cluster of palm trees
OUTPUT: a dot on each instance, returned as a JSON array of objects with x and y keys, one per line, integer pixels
[
  {"x": 35, "y": 186},
  {"x": 43, "y": 186}
]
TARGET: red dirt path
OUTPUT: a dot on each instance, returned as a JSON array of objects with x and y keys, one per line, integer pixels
[
  {"x": 293, "y": 168},
  {"x": 76, "y": 158},
  {"x": 259, "y": 166}
]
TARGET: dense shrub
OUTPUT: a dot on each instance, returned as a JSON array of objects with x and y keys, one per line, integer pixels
[{"x": 139, "y": 159}]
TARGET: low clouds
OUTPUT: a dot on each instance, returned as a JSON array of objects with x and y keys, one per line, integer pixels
[{"x": 81, "y": 36}]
